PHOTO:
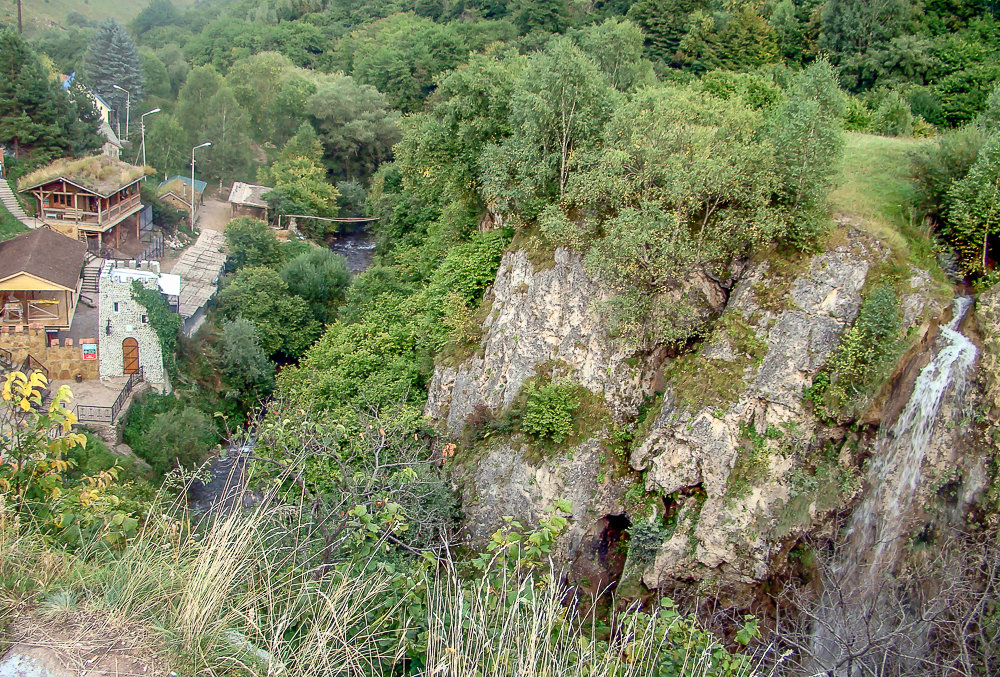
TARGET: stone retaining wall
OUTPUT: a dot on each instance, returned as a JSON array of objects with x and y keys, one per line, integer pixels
[{"x": 63, "y": 358}]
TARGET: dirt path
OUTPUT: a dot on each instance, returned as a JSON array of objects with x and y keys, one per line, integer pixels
[{"x": 214, "y": 215}]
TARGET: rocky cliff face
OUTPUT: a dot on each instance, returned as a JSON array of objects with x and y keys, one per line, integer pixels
[{"x": 728, "y": 465}]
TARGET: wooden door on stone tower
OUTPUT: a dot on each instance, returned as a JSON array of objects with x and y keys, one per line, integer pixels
[{"x": 130, "y": 352}]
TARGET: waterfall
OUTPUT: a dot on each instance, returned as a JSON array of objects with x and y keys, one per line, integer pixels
[{"x": 881, "y": 522}]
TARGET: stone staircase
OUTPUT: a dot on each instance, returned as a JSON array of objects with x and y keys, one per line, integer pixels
[
  {"x": 90, "y": 280},
  {"x": 9, "y": 201}
]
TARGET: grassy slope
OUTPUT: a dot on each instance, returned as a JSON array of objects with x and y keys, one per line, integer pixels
[
  {"x": 9, "y": 226},
  {"x": 874, "y": 187},
  {"x": 39, "y": 14}
]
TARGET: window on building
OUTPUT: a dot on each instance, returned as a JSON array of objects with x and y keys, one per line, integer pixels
[
  {"x": 144, "y": 319},
  {"x": 116, "y": 306}
]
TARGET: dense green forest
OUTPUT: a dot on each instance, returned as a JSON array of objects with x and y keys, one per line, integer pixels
[{"x": 656, "y": 138}]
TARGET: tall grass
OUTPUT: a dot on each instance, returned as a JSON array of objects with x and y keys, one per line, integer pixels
[{"x": 244, "y": 597}]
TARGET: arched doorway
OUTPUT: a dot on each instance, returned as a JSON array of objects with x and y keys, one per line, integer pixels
[{"x": 130, "y": 355}]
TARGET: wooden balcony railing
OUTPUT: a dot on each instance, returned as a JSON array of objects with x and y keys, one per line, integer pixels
[{"x": 78, "y": 216}]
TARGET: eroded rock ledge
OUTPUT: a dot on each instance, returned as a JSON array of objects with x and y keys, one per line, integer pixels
[{"x": 729, "y": 468}]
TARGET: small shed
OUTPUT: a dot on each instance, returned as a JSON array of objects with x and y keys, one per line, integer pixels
[
  {"x": 40, "y": 279},
  {"x": 247, "y": 199},
  {"x": 176, "y": 191}
]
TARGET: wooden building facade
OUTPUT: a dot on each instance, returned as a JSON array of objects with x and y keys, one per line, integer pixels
[
  {"x": 95, "y": 200},
  {"x": 40, "y": 279}
]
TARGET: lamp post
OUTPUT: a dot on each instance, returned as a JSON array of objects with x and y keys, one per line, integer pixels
[
  {"x": 207, "y": 143},
  {"x": 128, "y": 106},
  {"x": 142, "y": 127}
]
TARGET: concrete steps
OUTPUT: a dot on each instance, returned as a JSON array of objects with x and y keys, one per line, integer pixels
[
  {"x": 90, "y": 281},
  {"x": 9, "y": 201}
]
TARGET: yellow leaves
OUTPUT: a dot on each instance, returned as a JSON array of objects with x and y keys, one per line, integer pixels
[
  {"x": 60, "y": 464},
  {"x": 23, "y": 390}
]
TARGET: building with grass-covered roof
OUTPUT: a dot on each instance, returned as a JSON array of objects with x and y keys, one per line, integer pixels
[
  {"x": 93, "y": 199},
  {"x": 178, "y": 191}
]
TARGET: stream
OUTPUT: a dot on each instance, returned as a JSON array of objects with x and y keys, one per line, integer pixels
[
  {"x": 357, "y": 247},
  {"x": 227, "y": 469},
  {"x": 881, "y": 522},
  {"x": 224, "y": 485}
]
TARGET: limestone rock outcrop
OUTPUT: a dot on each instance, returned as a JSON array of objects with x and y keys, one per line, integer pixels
[{"x": 734, "y": 463}]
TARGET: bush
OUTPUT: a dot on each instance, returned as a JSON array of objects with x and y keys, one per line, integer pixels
[
  {"x": 858, "y": 365},
  {"x": 321, "y": 278},
  {"x": 141, "y": 415},
  {"x": 181, "y": 437},
  {"x": 548, "y": 412},
  {"x": 937, "y": 166},
  {"x": 242, "y": 361},
  {"x": 251, "y": 242},
  {"x": 893, "y": 116}
]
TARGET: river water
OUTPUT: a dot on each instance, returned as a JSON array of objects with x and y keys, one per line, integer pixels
[
  {"x": 880, "y": 524},
  {"x": 357, "y": 247},
  {"x": 227, "y": 469}
]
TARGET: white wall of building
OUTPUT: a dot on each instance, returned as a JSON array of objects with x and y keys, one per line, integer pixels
[{"x": 122, "y": 317}]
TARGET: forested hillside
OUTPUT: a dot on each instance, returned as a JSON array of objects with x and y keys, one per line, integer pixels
[{"x": 667, "y": 361}]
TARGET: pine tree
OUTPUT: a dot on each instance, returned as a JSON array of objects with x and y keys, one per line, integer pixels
[
  {"x": 38, "y": 118},
  {"x": 112, "y": 59}
]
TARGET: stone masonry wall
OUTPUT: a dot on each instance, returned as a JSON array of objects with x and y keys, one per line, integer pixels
[
  {"x": 63, "y": 359},
  {"x": 121, "y": 317}
]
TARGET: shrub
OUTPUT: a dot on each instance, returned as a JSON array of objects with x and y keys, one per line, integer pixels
[
  {"x": 548, "y": 411},
  {"x": 321, "y": 278},
  {"x": 974, "y": 209},
  {"x": 867, "y": 350},
  {"x": 181, "y": 437},
  {"x": 251, "y": 242},
  {"x": 243, "y": 362},
  {"x": 644, "y": 541},
  {"x": 893, "y": 116},
  {"x": 141, "y": 415},
  {"x": 937, "y": 166}
]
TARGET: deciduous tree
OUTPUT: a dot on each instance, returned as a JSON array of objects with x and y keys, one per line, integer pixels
[
  {"x": 321, "y": 278},
  {"x": 243, "y": 363},
  {"x": 284, "y": 322}
]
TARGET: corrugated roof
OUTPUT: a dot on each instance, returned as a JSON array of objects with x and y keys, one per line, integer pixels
[
  {"x": 199, "y": 185},
  {"x": 98, "y": 173},
  {"x": 249, "y": 194},
  {"x": 200, "y": 267},
  {"x": 43, "y": 253}
]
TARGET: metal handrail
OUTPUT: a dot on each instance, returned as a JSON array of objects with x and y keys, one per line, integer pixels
[
  {"x": 31, "y": 364},
  {"x": 6, "y": 358},
  {"x": 86, "y": 412}
]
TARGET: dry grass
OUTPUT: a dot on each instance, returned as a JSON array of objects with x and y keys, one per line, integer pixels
[
  {"x": 237, "y": 600},
  {"x": 99, "y": 173}
]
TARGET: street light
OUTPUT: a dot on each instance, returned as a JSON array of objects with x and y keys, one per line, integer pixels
[
  {"x": 207, "y": 143},
  {"x": 142, "y": 126},
  {"x": 128, "y": 105}
]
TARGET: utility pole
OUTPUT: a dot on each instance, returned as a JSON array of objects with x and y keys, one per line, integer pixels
[
  {"x": 207, "y": 143},
  {"x": 142, "y": 125},
  {"x": 128, "y": 108},
  {"x": 20, "y": 26}
]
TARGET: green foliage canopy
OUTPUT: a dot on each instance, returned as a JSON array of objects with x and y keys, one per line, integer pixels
[
  {"x": 283, "y": 321},
  {"x": 251, "y": 243}
]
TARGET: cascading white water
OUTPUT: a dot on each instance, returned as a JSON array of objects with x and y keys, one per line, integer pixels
[{"x": 881, "y": 521}]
